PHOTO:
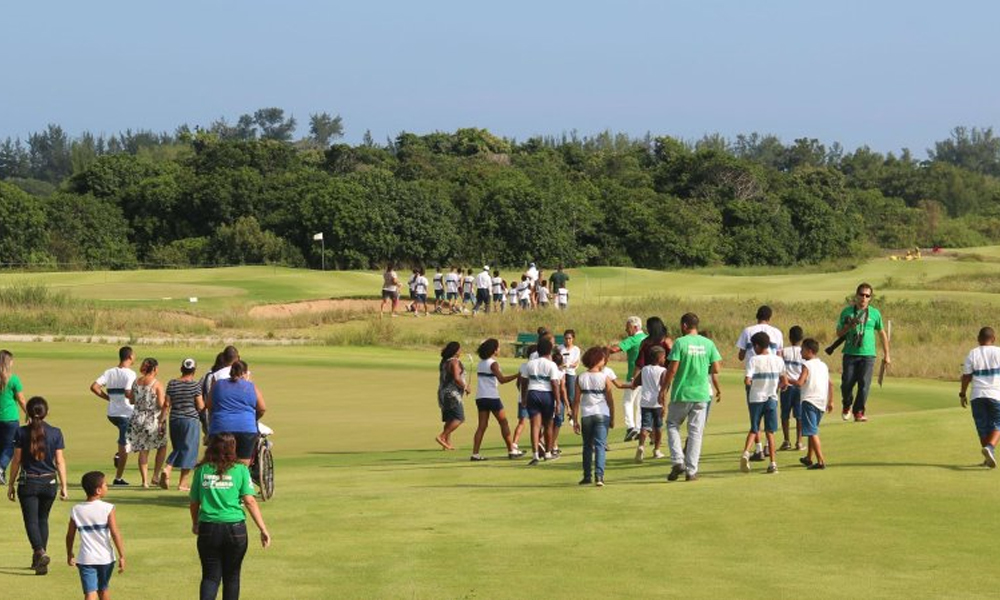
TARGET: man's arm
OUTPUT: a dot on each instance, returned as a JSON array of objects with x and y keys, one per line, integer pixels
[
  {"x": 714, "y": 372},
  {"x": 98, "y": 391},
  {"x": 666, "y": 381},
  {"x": 885, "y": 345},
  {"x": 966, "y": 380}
]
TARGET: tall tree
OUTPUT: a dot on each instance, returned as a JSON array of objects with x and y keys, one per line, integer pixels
[{"x": 323, "y": 128}]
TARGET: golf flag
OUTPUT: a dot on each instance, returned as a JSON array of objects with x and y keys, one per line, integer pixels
[{"x": 318, "y": 237}]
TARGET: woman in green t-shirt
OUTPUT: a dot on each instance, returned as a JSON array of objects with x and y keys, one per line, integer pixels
[
  {"x": 220, "y": 483},
  {"x": 11, "y": 407}
]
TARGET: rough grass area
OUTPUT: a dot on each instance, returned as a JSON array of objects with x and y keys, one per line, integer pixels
[{"x": 367, "y": 507}]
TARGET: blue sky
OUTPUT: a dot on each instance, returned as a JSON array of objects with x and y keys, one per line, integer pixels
[{"x": 889, "y": 74}]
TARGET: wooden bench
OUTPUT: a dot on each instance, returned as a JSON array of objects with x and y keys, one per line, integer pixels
[{"x": 527, "y": 339}]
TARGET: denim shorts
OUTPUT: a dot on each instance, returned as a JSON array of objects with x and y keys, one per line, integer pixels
[
  {"x": 560, "y": 415},
  {"x": 122, "y": 424},
  {"x": 768, "y": 411},
  {"x": 652, "y": 420},
  {"x": 540, "y": 403},
  {"x": 95, "y": 578},
  {"x": 522, "y": 411},
  {"x": 791, "y": 403},
  {"x": 489, "y": 404},
  {"x": 438, "y": 294},
  {"x": 986, "y": 414},
  {"x": 811, "y": 416}
]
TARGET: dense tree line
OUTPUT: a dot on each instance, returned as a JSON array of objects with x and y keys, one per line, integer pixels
[{"x": 250, "y": 193}]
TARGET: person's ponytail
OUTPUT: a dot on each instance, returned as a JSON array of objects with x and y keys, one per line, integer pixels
[
  {"x": 37, "y": 409},
  {"x": 6, "y": 358}
]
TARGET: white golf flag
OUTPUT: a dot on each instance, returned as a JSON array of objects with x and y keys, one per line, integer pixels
[{"x": 318, "y": 236}]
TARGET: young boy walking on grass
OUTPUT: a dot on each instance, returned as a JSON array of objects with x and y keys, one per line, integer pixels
[
  {"x": 764, "y": 374},
  {"x": 791, "y": 396},
  {"x": 650, "y": 379},
  {"x": 982, "y": 370},
  {"x": 95, "y": 519},
  {"x": 817, "y": 397}
]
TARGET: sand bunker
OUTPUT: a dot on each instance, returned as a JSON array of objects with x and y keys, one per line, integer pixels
[{"x": 275, "y": 311}]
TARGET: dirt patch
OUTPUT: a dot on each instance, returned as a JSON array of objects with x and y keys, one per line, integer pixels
[{"x": 276, "y": 311}]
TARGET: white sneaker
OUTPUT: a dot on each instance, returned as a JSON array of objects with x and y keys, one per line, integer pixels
[
  {"x": 548, "y": 456},
  {"x": 991, "y": 459},
  {"x": 745, "y": 462},
  {"x": 659, "y": 454},
  {"x": 639, "y": 453}
]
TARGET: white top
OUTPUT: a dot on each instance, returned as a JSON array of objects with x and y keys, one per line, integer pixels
[
  {"x": 651, "y": 375},
  {"x": 438, "y": 281},
  {"x": 817, "y": 387},
  {"x": 609, "y": 373},
  {"x": 467, "y": 284},
  {"x": 540, "y": 373},
  {"x": 451, "y": 283},
  {"x": 116, "y": 381},
  {"x": 512, "y": 294},
  {"x": 421, "y": 285},
  {"x": 571, "y": 358},
  {"x": 497, "y": 285},
  {"x": 524, "y": 290},
  {"x": 91, "y": 519},
  {"x": 412, "y": 282},
  {"x": 764, "y": 372},
  {"x": 593, "y": 400},
  {"x": 772, "y": 332},
  {"x": 792, "y": 356},
  {"x": 388, "y": 281},
  {"x": 532, "y": 274},
  {"x": 562, "y": 297},
  {"x": 983, "y": 363},
  {"x": 543, "y": 294},
  {"x": 487, "y": 385},
  {"x": 483, "y": 280}
]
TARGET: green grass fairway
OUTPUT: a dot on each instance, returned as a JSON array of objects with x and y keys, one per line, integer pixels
[
  {"x": 229, "y": 286},
  {"x": 367, "y": 507}
]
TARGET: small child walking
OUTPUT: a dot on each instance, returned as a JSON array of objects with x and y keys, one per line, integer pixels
[
  {"x": 817, "y": 397},
  {"x": 649, "y": 380},
  {"x": 95, "y": 520},
  {"x": 765, "y": 373},
  {"x": 594, "y": 407},
  {"x": 791, "y": 397}
]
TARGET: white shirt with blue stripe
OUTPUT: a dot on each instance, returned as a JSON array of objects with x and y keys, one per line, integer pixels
[
  {"x": 540, "y": 373},
  {"x": 91, "y": 519},
  {"x": 764, "y": 372},
  {"x": 792, "y": 356},
  {"x": 773, "y": 333},
  {"x": 487, "y": 385},
  {"x": 983, "y": 363}
]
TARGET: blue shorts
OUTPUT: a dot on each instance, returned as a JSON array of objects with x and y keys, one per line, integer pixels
[
  {"x": 811, "y": 416},
  {"x": 422, "y": 298},
  {"x": 467, "y": 297},
  {"x": 791, "y": 403},
  {"x": 438, "y": 294},
  {"x": 986, "y": 414},
  {"x": 489, "y": 404},
  {"x": 122, "y": 424},
  {"x": 522, "y": 411},
  {"x": 453, "y": 295},
  {"x": 498, "y": 298},
  {"x": 95, "y": 578},
  {"x": 652, "y": 420},
  {"x": 541, "y": 403},
  {"x": 559, "y": 416},
  {"x": 768, "y": 411}
]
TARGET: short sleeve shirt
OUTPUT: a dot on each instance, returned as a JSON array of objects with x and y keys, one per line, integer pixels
[
  {"x": 630, "y": 346},
  {"x": 861, "y": 340},
  {"x": 764, "y": 372},
  {"x": 983, "y": 364},
  {"x": 115, "y": 381},
  {"x": 540, "y": 373},
  {"x": 694, "y": 355},
  {"x": 8, "y": 404},
  {"x": 389, "y": 279},
  {"x": 559, "y": 280},
  {"x": 773, "y": 334},
  {"x": 53, "y": 442},
  {"x": 219, "y": 495}
]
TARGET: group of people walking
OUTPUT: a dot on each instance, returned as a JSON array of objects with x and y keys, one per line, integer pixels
[
  {"x": 463, "y": 292},
  {"x": 670, "y": 382},
  {"x": 225, "y": 402}
]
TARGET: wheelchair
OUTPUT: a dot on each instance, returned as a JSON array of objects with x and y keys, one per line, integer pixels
[{"x": 262, "y": 463}]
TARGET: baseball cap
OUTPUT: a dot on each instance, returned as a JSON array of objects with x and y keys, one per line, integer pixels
[{"x": 188, "y": 364}]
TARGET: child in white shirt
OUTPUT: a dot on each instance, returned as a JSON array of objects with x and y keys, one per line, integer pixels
[
  {"x": 817, "y": 397},
  {"x": 95, "y": 520},
  {"x": 765, "y": 373}
]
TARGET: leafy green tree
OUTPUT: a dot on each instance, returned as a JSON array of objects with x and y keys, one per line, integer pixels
[
  {"x": 323, "y": 128},
  {"x": 23, "y": 234},
  {"x": 974, "y": 149},
  {"x": 89, "y": 232}
]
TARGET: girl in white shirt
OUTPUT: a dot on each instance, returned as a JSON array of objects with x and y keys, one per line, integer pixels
[
  {"x": 489, "y": 378},
  {"x": 594, "y": 406}
]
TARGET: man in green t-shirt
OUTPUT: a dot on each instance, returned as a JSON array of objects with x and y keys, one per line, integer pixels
[
  {"x": 858, "y": 323},
  {"x": 630, "y": 400},
  {"x": 693, "y": 361},
  {"x": 558, "y": 280}
]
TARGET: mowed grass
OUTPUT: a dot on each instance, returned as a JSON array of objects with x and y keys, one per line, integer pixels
[{"x": 367, "y": 507}]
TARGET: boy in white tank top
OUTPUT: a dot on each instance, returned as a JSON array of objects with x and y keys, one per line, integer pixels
[{"x": 95, "y": 520}]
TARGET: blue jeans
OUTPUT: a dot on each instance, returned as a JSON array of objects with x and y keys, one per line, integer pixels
[
  {"x": 857, "y": 371},
  {"x": 221, "y": 548},
  {"x": 595, "y": 438},
  {"x": 7, "y": 431}
]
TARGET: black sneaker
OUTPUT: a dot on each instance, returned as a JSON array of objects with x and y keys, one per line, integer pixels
[
  {"x": 816, "y": 467},
  {"x": 599, "y": 482},
  {"x": 42, "y": 566},
  {"x": 119, "y": 483},
  {"x": 805, "y": 461},
  {"x": 675, "y": 473},
  {"x": 477, "y": 458},
  {"x": 584, "y": 481},
  {"x": 533, "y": 462},
  {"x": 757, "y": 457}
]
